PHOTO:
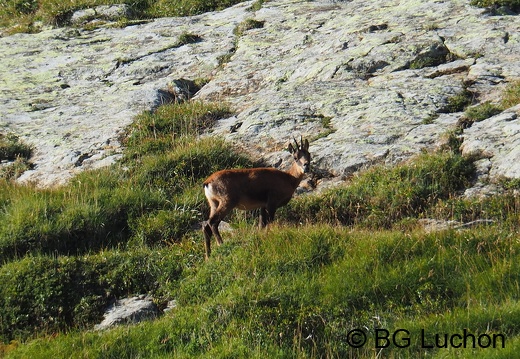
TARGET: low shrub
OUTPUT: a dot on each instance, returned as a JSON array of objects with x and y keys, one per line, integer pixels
[
  {"x": 88, "y": 214},
  {"x": 12, "y": 148},
  {"x": 513, "y": 4},
  {"x": 49, "y": 294}
]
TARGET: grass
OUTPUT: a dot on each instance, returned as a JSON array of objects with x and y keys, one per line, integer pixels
[
  {"x": 11, "y": 148},
  {"x": 246, "y": 25},
  {"x": 298, "y": 292},
  {"x": 14, "y": 156},
  {"x": 458, "y": 102},
  {"x": 511, "y": 95},
  {"x": 291, "y": 291},
  {"x": 513, "y": 4},
  {"x": 482, "y": 111},
  {"x": 382, "y": 196},
  {"x": 21, "y": 15},
  {"x": 67, "y": 252}
]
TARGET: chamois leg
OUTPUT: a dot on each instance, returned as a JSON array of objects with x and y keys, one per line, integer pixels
[
  {"x": 266, "y": 215},
  {"x": 211, "y": 226},
  {"x": 206, "y": 229},
  {"x": 206, "y": 226},
  {"x": 262, "y": 222}
]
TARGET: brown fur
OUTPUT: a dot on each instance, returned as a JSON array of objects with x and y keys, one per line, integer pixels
[{"x": 247, "y": 189}]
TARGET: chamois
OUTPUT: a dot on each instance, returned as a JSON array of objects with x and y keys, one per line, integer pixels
[{"x": 247, "y": 189}]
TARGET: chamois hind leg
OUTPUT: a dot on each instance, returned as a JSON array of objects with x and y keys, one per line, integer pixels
[
  {"x": 216, "y": 217},
  {"x": 206, "y": 227}
]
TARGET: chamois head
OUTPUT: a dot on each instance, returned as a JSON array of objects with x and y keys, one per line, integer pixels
[{"x": 302, "y": 157}]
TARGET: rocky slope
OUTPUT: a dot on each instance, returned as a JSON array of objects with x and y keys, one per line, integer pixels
[{"x": 366, "y": 82}]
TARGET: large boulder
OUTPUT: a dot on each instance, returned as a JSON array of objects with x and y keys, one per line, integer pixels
[
  {"x": 366, "y": 82},
  {"x": 127, "y": 311}
]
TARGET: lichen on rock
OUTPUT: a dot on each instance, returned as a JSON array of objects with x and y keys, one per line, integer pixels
[{"x": 380, "y": 73}]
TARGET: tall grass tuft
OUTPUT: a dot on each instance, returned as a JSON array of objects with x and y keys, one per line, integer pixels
[
  {"x": 511, "y": 96},
  {"x": 171, "y": 125},
  {"x": 379, "y": 197},
  {"x": 11, "y": 148}
]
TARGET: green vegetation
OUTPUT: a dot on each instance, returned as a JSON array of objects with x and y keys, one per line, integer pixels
[
  {"x": 511, "y": 95},
  {"x": 510, "y": 98},
  {"x": 187, "y": 38},
  {"x": 247, "y": 24},
  {"x": 45, "y": 293},
  {"x": 458, "y": 102},
  {"x": 381, "y": 197},
  {"x": 20, "y": 15},
  {"x": 11, "y": 148},
  {"x": 350, "y": 257},
  {"x": 104, "y": 208},
  {"x": 482, "y": 111},
  {"x": 257, "y": 5},
  {"x": 512, "y": 4},
  {"x": 298, "y": 292},
  {"x": 14, "y": 155},
  {"x": 76, "y": 237},
  {"x": 430, "y": 60}
]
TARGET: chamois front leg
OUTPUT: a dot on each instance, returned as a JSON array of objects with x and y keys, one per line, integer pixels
[
  {"x": 262, "y": 221},
  {"x": 267, "y": 215}
]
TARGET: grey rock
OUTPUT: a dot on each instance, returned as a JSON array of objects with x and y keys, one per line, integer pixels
[
  {"x": 129, "y": 310},
  {"x": 496, "y": 139},
  {"x": 326, "y": 63},
  {"x": 366, "y": 82},
  {"x": 431, "y": 225},
  {"x": 435, "y": 225},
  {"x": 172, "y": 304},
  {"x": 101, "y": 13},
  {"x": 71, "y": 91}
]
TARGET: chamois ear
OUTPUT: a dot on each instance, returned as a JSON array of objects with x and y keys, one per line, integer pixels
[
  {"x": 306, "y": 145},
  {"x": 290, "y": 148}
]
